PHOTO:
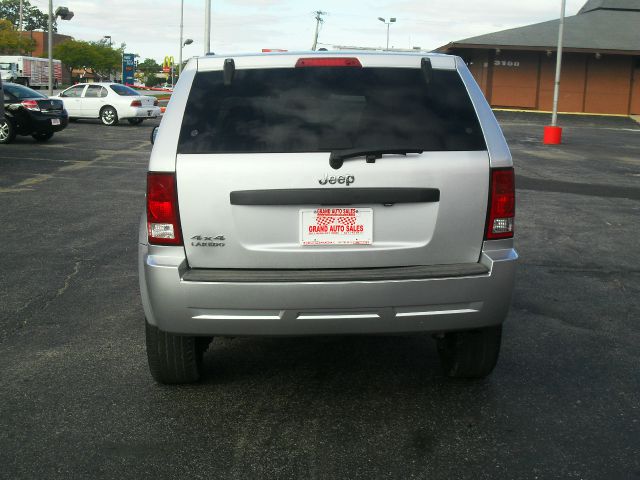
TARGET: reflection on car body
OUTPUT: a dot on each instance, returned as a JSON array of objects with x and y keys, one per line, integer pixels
[
  {"x": 110, "y": 102},
  {"x": 28, "y": 112}
]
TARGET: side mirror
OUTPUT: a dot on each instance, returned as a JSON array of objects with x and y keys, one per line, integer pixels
[{"x": 154, "y": 132}]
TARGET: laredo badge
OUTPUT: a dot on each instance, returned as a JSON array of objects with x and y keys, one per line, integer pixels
[{"x": 203, "y": 241}]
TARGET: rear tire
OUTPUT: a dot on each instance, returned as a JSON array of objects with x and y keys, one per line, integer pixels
[
  {"x": 135, "y": 121},
  {"x": 42, "y": 136},
  {"x": 174, "y": 359},
  {"x": 7, "y": 131},
  {"x": 470, "y": 354},
  {"x": 109, "y": 116}
]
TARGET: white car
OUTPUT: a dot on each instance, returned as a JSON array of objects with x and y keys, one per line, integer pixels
[{"x": 110, "y": 102}]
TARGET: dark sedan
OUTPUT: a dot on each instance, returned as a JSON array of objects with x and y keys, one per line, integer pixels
[{"x": 28, "y": 112}]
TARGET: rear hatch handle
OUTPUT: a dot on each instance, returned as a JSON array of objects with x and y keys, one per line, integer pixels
[{"x": 337, "y": 158}]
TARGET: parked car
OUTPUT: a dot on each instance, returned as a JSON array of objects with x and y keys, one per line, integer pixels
[
  {"x": 324, "y": 194},
  {"x": 28, "y": 112},
  {"x": 110, "y": 102}
]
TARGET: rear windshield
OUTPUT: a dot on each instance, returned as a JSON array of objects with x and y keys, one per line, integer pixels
[
  {"x": 123, "y": 90},
  {"x": 327, "y": 109},
  {"x": 21, "y": 92}
]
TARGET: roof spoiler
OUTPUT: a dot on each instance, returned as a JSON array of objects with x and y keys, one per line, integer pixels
[{"x": 427, "y": 69}]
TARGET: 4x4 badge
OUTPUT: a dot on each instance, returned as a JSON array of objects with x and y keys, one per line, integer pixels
[{"x": 204, "y": 241}]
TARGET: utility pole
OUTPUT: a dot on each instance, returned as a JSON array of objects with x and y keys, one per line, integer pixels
[
  {"x": 181, "y": 27},
  {"x": 319, "y": 20},
  {"x": 207, "y": 26}
]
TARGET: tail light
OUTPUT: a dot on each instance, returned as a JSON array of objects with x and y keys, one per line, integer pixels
[
  {"x": 30, "y": 105},
  {"x": 163, "y": 219},
  {"x": 155, "y": 102},
  {"x": 328, "y": 62},
  {"x": 502, "y": 204},
  {"x": 136, "y": 103}
]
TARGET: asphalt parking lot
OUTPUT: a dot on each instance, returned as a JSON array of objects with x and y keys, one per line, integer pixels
[{"x": 77, "y": 401}]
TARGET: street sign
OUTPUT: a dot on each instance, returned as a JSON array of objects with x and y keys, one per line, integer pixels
[{"x": 128, "y": 68}]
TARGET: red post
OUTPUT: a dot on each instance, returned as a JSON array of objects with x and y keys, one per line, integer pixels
[{"x": 552, "y": 135}]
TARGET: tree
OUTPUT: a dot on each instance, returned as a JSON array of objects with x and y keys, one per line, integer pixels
[
  {"x": 11, "y": 42},
  {"x": 149, "y": 68},
  {"x": 152, "y": 80},
  {"x": 98, "y": 56},
  {"x": 32, "y": 17},
  {"x": 75, "y": 54},
  {"x": 105, "y": 59}
]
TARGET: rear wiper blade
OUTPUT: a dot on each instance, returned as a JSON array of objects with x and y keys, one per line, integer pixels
[{"x": 337, "y": 158}]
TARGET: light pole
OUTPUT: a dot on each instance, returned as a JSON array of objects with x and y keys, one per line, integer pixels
[
  {"x": 109, "y": 37},
  {"x": 553, "y": 133},
  {"x": 181, "y": 43},
  {"x": 207, "y": 26},
  {"x": 391, "y": 20},
  {"x": 556, "y": 87},
  {"x": 65, "y": 14},
  {"x": 188, "y": 41}
]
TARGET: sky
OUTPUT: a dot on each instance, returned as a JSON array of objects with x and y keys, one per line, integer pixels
[{"x": 151, "y": 28}]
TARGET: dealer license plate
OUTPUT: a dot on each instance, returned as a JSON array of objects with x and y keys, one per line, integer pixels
[
  {"x": 336, "y": 226},
  {"x": 55, "y": 121}
]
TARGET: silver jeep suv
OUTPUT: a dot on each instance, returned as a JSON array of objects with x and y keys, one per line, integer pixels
[{"x": 327, "y": 193}]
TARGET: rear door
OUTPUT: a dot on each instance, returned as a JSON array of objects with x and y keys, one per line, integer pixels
[
  {"x": 93, "y": 100},
  {"x": 256, "y": 188}
]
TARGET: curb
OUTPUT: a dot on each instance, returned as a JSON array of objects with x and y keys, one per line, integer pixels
[{"x": 619, "y": 115}]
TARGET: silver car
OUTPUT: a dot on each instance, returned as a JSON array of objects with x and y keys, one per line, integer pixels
[{"x": 327, "y": 194}]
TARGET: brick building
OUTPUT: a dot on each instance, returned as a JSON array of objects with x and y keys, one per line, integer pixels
[
  {"x": 600, "y": 62},
  {"x": 42, "y": 42},
  {"x": 42, "y": 46}
]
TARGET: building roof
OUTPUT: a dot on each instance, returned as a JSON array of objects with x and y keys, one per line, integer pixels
[
  {"x": 632, "y": 5},
  {"x": 600, "y": 25}
]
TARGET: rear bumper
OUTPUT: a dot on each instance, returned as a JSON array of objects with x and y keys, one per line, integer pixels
[
  {"x": 141, "y": 112},
  {"x": 438, "y": 304},
  {"x": 41, "y": 123}
]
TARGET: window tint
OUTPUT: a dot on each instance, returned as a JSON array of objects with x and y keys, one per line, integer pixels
[
  {"x": 20, "y": 92},
  {"x": 93, "y": 91},
  {"x": 123, "y": 90},
  {"x": 8, "y": 98},
  {"x": 73, "y": 91},
  {"x": 325, "y": 109}
]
